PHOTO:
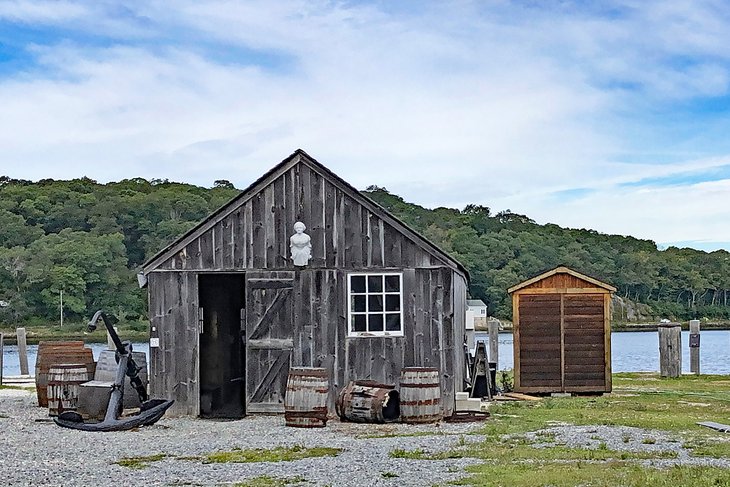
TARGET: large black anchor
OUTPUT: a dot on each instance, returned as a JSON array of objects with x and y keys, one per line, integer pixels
[{"x": 151, "y": 410}]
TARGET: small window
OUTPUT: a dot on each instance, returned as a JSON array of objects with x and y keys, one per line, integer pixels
[{"x": 375, "y": 305}]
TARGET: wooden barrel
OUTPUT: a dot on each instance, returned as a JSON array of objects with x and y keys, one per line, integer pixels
[
  {"x": 366, "y": 401},
  {"x": 64, "y": 381},
  {"x": 420, "y": 394},
  {"x": 305, "y": 403},
  {"x": 55, "y": 353}
]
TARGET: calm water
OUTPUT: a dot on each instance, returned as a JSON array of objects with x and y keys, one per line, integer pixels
[
  {"x": 639, "y": 351},
  {"x": 632, "y": 352},
  {"x": 11, "y": 364}
]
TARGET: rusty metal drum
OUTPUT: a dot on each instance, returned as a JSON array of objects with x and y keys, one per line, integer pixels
[
  {"x": 420, "y": 395},
  {"x": 64, "y": 381},
  {"x": 305, "y": 403},
  {"x": 366, "y": 401}
]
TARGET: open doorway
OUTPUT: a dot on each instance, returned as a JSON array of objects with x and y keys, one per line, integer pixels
[{"x": 222, "y": 355}]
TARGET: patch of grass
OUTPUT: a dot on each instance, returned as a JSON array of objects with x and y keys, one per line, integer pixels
[
  {"x": 417, "y": 454},
  {"x": 591, "y": 474},
  {"x": 648, "y": 441},
  {"x": 138, "y": 463},
  {"x": 268, "y": 481},
  {"x": 708, "y": 446},
  {"x": 278, "y": 454},
  {"x": 16, "y": 388},
  {"x": 388, "y": 475}
]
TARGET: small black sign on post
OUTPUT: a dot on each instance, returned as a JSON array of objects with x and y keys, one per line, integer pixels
[{"x": 694, "y": 340}]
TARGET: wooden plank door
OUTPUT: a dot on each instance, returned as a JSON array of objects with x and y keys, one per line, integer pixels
[
  {"x": 540, "y": 343},
  {"x": 585, "y": 364},
  {"x": 269, "y": 339}
]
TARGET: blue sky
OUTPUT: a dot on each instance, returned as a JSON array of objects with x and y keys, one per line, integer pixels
[{"x": 604, "y": 115}]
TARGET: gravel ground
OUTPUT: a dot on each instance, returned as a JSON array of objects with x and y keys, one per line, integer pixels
[
  {"x": 623, "y": 438},
  {"x": 34, "y": 451}
]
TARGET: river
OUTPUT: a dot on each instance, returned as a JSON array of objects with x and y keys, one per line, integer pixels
[{"x": 631, "y": 352}]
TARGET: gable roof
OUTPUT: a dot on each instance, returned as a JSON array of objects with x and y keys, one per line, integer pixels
[
  {"x": 475, "y": 302},
  {"x": 561, "y": 270},
  {"x": 299, "y": 156}
]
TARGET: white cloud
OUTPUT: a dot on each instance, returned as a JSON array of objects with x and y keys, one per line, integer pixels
[{"x": 494, "y": 104}]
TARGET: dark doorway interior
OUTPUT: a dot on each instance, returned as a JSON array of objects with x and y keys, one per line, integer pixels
[{"x": 222, "y": 372}]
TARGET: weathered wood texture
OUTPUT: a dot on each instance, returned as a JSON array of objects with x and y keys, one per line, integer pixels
[
  {"x": 694, "y": 351},
  {"x": 670, "y": 350},
  {"x": 309, "y": 328},
  {"x": 494, "y": 341},
  {"x": 345, "y": 234},
  {"x": 22, "y": 351},
  {"x": 562, "y": 336},
  {"x": 174, "y": 364}
]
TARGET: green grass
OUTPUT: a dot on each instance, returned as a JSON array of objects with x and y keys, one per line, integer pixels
[
  {"x": 133, "y": 331},
  {"x": 17, "y": 388},
  {"x": 138, "y": 463},
  {"x": 278, "y": 454},
  {"x": 267, "y": 481},
  {"x": 639, "y": 400}
]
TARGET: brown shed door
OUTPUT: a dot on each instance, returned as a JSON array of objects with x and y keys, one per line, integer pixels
[
  {"x": 584, "y": 341},
  {"x": 269, "y": 340},
  {"x": 540, "y": 361}
]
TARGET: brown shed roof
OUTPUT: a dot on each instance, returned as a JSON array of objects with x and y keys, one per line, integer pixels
[{"x": 561, "y": 270}]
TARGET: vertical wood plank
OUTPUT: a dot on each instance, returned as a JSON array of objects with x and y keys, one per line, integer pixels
[
  {"x": 330, "y": 228},
  {"x": 316, "y": 220},
  {"x": 281, "y": 231},
  {"x": 258, "y": 250},
  {"x": 410, "y": 310},
  {"x": 22, "y": 351},
  {"x": 607, "y": 341},
  {"x": 269, "y": 222},
  {"x": 516, "y": 338},
  {"x": 562, "y": 342}
]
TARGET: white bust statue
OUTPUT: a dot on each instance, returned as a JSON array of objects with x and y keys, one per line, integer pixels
[{"x": 301, "y": 245}]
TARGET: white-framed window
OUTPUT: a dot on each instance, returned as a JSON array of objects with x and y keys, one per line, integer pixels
[{"x": 375, "y": 304}]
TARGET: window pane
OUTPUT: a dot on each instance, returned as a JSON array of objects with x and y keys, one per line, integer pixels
[
  {"x": 357, "y": 284},
  {"x": 375, "y": 303},
  {"x": 358, "y": 304},
  {"x": 392, "y": 302},
  {"x": 392, "y": 322},
  {"x": 375, "y": 284},
  {"x": 359, "y": 323},
  {"x": 375, "y": 322},
  {"x": 392, "y": 284}
]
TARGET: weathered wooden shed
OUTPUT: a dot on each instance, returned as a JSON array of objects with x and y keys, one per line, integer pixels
[
  {"x": 230, "y": 312},
  {"x": 562, "y": 333}
]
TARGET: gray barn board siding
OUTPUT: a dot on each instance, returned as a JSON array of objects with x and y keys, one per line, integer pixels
[
  {"x": 174, "y": 315},
  {"x": 349, "y": 234}
]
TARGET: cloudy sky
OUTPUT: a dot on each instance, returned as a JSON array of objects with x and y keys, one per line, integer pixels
[{"x": 613, "y": 116}]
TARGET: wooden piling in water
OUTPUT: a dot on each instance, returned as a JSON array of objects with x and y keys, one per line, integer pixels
[
  {"x": 694, "y": 346},
  {"x": 670, "y": 350},
  {"x": 22, "y": 351},
  {"x": 494, "y": 342}
]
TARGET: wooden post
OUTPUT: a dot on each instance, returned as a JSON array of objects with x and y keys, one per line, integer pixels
[
  {"x": 22, "y": 351},
  {"x": 694, "y": 346},
  {"x": 494, "y": 342},
  {"x": 670, "y": 350},
  {"x": 2, "y": 339}
]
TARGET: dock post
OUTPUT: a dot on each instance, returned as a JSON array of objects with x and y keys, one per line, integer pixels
[
  {"x": 694, "y": 346},
  {"x": 22, "y": 351},
  {"x": 494, "y": 342},
  {"x": 2, "y": 339},
  {"x": 670, "y": 349}
]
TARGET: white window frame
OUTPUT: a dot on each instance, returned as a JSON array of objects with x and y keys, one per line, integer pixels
[{"x": 350, "y": 313}]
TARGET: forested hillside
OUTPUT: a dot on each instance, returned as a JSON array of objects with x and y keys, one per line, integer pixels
[{"x": 88, "y": 240}]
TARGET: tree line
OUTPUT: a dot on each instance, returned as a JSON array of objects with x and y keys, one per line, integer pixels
[{"x": 87, "y": 240}]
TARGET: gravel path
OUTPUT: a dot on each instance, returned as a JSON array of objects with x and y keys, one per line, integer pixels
[{"x": 34, "y": 451}]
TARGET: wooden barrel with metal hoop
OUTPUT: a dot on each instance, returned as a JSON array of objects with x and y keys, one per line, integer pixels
[
  {"x": 420, "y": 395},
  {"x": 55, "y": 353},
  {"x": 305, "y": 403},
  {"x": 366, "y": 401},
  {"x": 64, "y": 381}
]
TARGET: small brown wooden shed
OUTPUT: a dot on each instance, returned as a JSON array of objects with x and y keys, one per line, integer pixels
[{"x": 562, "y": 333}]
